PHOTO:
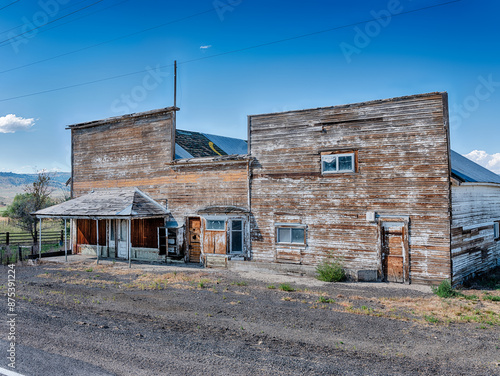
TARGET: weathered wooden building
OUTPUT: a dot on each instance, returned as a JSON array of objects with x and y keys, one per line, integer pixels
[
  {"x": 373, "y": 183},
  {"x": 203, "y": 190}
]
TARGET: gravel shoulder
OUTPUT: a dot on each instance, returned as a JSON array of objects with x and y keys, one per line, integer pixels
[{"x": 168, "y": 320}]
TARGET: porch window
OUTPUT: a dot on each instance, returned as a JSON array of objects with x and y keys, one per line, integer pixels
[
  {"x": 337, "y": 163},
  {"x": 290, "y": 234},
  {"x": 216, "y": 225},
  {"x": 112, "y": 230}
]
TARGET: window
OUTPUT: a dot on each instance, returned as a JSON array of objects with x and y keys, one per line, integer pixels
[
  {"x": 290, "y": 234},
  {"x": 337, "y": 163},
  {"x": 112, "y": 225},
  {"x": 216, "y": 225},
  {"x": 236, "y": 236},
  {"x": 496, "y": 230}
]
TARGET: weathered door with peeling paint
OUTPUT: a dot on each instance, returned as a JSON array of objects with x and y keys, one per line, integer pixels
[
  {"x": 123, "y": 238},
  {"x": 394, "y": 252},
  {"x": 194, "y": 236}
]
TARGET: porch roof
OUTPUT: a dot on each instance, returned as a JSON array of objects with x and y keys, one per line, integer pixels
[{"x": 107, "y": 204}]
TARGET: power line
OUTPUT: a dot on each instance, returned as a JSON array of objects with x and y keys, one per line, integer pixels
[
  {"x": 108, "y": 41},
  {"x": 19, "y": 26},
  {"x": 229, "y": 52},
  {"x": 8, "y": 5},
  {"x": 45, "y": 24}
]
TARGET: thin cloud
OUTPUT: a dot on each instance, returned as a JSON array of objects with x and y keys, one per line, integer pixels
[
  {"x": 490, "y": 161},
  {"x": 205, "y": 47},
  {"x": 12, "y": 123}
]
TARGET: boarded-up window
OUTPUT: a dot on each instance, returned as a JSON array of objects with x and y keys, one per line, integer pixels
[
  {"x": 145, "y": 232},
  {"x": 87, "y": 233}
]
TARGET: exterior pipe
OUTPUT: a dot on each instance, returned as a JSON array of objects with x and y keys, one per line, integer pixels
[
  {"x": 97, "y": 231},
  {"x": 40, "y": 241},
  {"x": 65, "y": 243}
]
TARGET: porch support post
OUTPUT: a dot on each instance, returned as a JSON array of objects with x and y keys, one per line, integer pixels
[
  {"x": 40, "y": 241},
  {"x": 129, "y": 241},
  {"x": 97, "y": 231},
  {"x": 65, "y": 242},
  {"x": 71, "y": 235}
]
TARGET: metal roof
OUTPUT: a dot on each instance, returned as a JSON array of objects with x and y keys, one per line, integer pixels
[
  {"x": 189, "y": 144},
  {"x": 109, "y": 203},
  {"x": 468, "y": 171}
]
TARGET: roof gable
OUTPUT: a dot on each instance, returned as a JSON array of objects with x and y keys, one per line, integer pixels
[{"x": 113, "y": 202}]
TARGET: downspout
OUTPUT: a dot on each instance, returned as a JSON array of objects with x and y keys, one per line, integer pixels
[
  {"x": 446, "y": 123},
  {"x": 97, "y": 234}
]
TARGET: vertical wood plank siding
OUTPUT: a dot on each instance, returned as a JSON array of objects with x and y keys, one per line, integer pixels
[
  {"x": 144, "y": 232},
  {"x": 402, "y": 170},
  {"x": 475, "y": 208},
  {"x": 87, "y": 232}
]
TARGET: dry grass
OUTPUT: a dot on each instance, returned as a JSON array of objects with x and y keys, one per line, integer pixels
[
  {"x": 124, "y": 278},
  {"x": 434, "y": 309}
]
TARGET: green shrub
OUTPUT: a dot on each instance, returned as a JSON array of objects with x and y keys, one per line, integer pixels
[
  {"x": 286, "y": 287},
  {"x": 492, "y": 298},
  {"x": 330, "y": 270},
  {"x": 444, "y": 290},
  {"x": 323, "y": 299}
]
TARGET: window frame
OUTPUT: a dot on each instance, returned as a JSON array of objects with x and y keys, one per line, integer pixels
[
  {"x": 221, "y": 219},
  {"x": 231, "y": 239},
  {"x": 291, "y": 226},
  {"x": 336, "y": 155}
]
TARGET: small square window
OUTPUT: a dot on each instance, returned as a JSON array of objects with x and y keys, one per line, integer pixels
[
  {"x": 337, "y": 163},
  {"x": 290, "y": 234}
]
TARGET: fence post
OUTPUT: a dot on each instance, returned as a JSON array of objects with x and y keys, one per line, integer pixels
[
  {"x": 20, "y": 254},
  {"x": 7, "y": 238}
]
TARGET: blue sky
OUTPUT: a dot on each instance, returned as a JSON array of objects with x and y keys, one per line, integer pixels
[{"x": 373, "y": 49}]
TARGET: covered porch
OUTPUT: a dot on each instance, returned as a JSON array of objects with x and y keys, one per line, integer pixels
[{"x": 122, "y": 223}]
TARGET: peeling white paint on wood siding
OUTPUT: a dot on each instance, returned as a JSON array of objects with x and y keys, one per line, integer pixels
[
  {"x": 402, "y": 170},
  {"x": 474, "y": 249}
]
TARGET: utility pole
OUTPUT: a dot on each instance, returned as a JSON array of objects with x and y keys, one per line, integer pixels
[{"x": 175, "y": 83}]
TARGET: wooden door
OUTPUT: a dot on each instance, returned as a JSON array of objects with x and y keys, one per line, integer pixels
[
  {"x": 194, "y": 235},
  {"x": 394, "y": 253},
  {"x": 123, "y": 238}
]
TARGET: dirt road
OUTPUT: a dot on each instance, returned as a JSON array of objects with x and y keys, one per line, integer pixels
[{"x": 86, "y": 319}]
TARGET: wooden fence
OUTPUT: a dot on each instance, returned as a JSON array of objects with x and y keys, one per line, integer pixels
[
  {"x": 48, "y": 237},
  {"x": 17, "y": 247}
]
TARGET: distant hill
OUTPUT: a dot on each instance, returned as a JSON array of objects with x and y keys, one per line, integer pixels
[{"x": 12, "y": 184}]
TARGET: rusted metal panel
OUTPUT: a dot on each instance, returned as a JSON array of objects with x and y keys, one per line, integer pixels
[
  {"x": 214, "y": 242},
  {"x": 402, "y": 169}
]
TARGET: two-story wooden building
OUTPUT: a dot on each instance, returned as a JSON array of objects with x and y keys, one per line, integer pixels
[{"x": 373, "y": 183}]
